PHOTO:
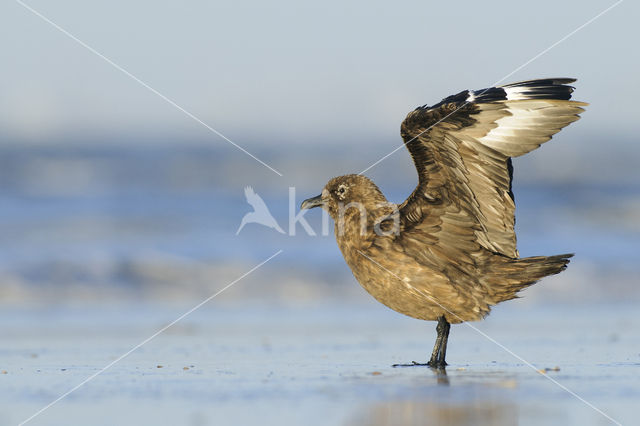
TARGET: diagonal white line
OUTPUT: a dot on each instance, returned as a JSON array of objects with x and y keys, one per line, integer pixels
[
  {"x": 495, "y": 83},
  {"x": 142, "y": 83},
  {"x": 145, "y": 341},
  {"x": 495, "y": 341},
  {"x": 558, "y": 42}
]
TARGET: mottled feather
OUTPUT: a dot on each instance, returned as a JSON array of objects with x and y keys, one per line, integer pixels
[
  {"x": 462, "y": 147},
  {"x": 454, "y": 255}
]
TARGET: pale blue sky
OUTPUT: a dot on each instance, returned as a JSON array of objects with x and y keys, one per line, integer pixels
[{"x": 288, "y": 72}]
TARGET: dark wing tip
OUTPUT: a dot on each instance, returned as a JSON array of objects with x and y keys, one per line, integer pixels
[
  {"x": 545, "y": 88},
  {"x": 457, "y": 99},
  {"x": 542, "y": 82}
]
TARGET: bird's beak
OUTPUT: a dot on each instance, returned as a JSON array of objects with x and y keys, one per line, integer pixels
[{"x": 312, "y": 202}]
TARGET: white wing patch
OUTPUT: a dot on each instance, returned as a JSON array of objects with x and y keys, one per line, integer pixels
[
  {"x": 471, "y": 96},
  {"x": 516, "y": 93},
  {"x": 529, "y": 124}
]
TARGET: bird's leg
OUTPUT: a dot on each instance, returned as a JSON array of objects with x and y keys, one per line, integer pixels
[
  {"x": 434, "y": 355},
  {"x": 440, "y": 348},
  {"x": 445, "y": 339},
  {"x": 436, "y": 348}
]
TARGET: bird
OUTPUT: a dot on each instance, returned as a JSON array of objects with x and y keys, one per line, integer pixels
[
  {"x": 448, "y": 252},
  {"x": 260, "y": 213}
]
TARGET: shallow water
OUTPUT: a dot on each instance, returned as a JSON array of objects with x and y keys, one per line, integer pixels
[
  {"x": 324, "y": 364},
  {"x": 90, "y": 206}
]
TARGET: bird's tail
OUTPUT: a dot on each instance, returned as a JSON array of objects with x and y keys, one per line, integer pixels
[{"x": 515, "y": 274}]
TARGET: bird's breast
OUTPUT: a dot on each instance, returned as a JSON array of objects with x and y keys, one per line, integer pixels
[{"x": 407, "y": 286}]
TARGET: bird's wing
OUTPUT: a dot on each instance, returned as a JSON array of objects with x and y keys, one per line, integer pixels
[
  {"x": 255, "y": 200},
  {"x": 462, "y": 149}
]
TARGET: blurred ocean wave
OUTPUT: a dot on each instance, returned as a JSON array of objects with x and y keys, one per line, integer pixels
[{"x": 121, "y": 222}]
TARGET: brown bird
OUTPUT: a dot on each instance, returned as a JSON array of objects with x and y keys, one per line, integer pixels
[{"x": 448, "y": 252}]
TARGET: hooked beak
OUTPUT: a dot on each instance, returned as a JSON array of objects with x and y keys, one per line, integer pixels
[{"x": 312, "y": 202}]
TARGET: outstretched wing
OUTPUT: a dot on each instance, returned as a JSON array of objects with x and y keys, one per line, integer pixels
[{"x": 462, "y": 147}]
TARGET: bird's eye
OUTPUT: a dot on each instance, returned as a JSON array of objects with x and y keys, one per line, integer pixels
[{"x": 341, "y": 190}]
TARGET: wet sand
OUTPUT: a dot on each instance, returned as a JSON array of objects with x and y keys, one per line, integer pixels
[{"x": 316, "y": 364}]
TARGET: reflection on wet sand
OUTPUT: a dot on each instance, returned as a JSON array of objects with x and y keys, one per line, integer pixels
[
  {"x": 413, "y": 413},
  {"x": 441, "y": 376},
  {"x": 439, "y": 411}
]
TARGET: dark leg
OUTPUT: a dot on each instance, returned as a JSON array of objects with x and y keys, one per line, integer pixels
[
  {"x": 445, "y": 340},
  {"x": 435, "y": 354},
  {"x": 439, "y": 349}
]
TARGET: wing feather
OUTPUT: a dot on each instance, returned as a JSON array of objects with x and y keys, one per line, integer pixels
[{"x": 462, "y": 147}]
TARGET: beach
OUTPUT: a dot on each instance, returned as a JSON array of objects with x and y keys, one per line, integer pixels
[{"x": 317, "y": 364}]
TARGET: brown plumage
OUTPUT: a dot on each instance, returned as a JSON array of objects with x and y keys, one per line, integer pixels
[{"x": 448, "y": 252}]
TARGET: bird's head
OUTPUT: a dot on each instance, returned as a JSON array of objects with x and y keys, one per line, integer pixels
[{"x": 346, "y": 192}]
